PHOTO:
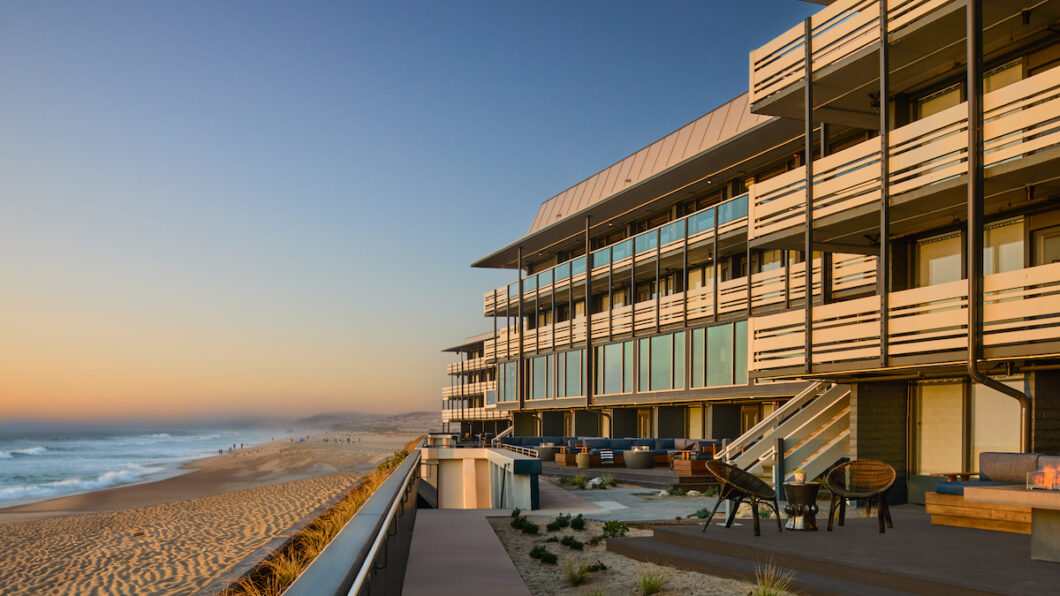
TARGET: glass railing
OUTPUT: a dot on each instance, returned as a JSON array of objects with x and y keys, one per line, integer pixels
[{"x": 690, "y": 225}]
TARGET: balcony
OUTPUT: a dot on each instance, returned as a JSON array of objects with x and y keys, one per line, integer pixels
[
  {"x": 927, "y": 326},
  {"x": 926, "y": 37},
  {"x": 928, "y": 163},
  {"x": 455, "y": 414},
  {"x": 669, "y": 240},
  {"x": 773, "y": 289},
  {"x": 464, "y": 366},
  {"x": 468, "y": 389}
]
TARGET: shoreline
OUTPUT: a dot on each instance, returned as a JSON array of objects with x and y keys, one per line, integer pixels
[
  {"x": 178, "y": 535},
  {"x": 241, "y": 469}
]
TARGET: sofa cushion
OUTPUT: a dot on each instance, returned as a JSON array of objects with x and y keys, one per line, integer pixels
[
  {"x": 957, "y": 487},
  {"x": 597, "y": 443},
  {"x": 621, "y": 444},
  {"x": 642, "y": 443},
  {"x": 664, "y": 443},
  {"x": 553, "y": 440},
  {"x": 1006, "y": 467},
  {"x": 572, "y": 442}
]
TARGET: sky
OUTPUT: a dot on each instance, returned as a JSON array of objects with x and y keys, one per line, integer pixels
[{"x": 270, "y": 208}]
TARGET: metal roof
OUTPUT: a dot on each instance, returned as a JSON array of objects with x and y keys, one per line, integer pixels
[
  {"x": 470, "y": 342},
  {"x": 724, "y": 137}
]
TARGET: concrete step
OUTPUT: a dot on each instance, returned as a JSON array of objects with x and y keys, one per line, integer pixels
[{"x": 646, "y": 548}]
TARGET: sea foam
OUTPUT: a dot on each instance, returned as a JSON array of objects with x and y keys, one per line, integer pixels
[{"x": 128, "y": 473}]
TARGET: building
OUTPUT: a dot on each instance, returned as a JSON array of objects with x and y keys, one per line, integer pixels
[{"x": 932, "y": 331}]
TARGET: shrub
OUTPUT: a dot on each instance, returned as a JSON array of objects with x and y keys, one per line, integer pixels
[
  {"x": 572, "y": 542},
  {"x": 615, "y": 529},
  {"x": 594, "y": 540},
  {"x": 553, "y": 526},
  {"x": 576, "y": 574},
  {"x": 702, "y": 513},
  {"x": 609, "y": 480},
  {"x": 772, "y": 581},
  {"x": 552, "y": 539},
  {"x": 651, "y": 583},
  {"x": 764, "y": 513},
  {"x": 563, "y": 520},
  {"x": 516, "y": 512},
  {"x": 519, "y": 522},
  {"x": 677, "y": 491},
  {"x": 597, "y": 566},
  {"x": 578, "y": 523},
  {"x": 712, "y": 491},
  {"x": 549, "y": 558},
  {"x": 529, "y": 528}
]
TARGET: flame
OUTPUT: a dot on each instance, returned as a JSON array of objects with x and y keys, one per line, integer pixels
[{"x": 1047, "y": 478}]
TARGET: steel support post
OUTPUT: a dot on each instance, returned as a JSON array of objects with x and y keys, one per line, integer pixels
[
  {"x": 808, "y": 256},
  {"x": 521, "y": 366},
  {"x": 589, "y": 360},
  {"x": 883, "y": 261}
]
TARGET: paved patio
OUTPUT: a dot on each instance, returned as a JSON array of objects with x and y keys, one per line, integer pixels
[{"x": 913, "y": 557}]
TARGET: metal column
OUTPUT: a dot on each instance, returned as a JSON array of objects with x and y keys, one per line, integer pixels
[
  {"x": 521, "y": 367},
  {"x": 808, "y": 256},
  {"x": 883, "y": 261},
  {"x": 589, "y": 372}
]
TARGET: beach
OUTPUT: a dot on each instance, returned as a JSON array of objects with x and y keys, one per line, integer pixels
[{"x": 176, "y": 535}]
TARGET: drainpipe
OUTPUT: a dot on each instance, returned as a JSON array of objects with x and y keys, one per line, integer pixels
[
  {"x": 604, "y": 414},
  {"x": 975, "y": 221}
]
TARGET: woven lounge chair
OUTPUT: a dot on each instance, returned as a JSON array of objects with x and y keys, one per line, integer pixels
[
  {"x": 861, "y": 479},
  {"x": 736, "y": 485}
]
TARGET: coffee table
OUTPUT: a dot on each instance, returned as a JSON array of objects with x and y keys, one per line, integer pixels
[
  {"x": 1045, "y": 514},
  {"x": 802, "y": 506}
]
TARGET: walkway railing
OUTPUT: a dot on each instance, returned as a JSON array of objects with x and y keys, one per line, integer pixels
[{"x": 369, "y": 554}]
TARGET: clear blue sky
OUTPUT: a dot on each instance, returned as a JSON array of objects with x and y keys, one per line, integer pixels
[{"x": 223, "y": 206}]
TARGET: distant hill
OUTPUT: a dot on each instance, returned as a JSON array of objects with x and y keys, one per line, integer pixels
[{"x": 354, "y": 421}]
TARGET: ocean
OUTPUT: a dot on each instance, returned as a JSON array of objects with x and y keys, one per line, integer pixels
[{"x": 39, "y": 465}]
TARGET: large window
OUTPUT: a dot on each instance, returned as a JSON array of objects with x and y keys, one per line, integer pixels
[
  {"x": 541, "y": 377},
  {"x": 614, "y": 368},
  {"x": 955, "y": 422},
  {"x": 719, "y": 355},
  {"x": 569, "y": 376},
  {"x": 662, "y": 362},
  {"x": 938, "y": 259},
  {"x": 508, "y": 381},
  {"x": 1003, "y": 246}
]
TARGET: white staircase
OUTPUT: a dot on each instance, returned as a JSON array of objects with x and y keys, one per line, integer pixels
[{"x": 815, "y": 427}]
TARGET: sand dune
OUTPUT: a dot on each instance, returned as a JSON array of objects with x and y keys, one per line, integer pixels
[{"x": 181, "y": 532}]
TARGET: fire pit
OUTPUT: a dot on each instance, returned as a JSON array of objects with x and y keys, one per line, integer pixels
[{"x": 1042, "y": 495}]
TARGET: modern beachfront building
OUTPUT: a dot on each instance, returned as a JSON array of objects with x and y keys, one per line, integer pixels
[{"x": 837, "y": 241}]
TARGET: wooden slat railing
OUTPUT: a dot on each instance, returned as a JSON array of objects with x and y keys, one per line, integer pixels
[
  {"x": 1019, "y": 120},
  {"x": 1020, "y": 308}
]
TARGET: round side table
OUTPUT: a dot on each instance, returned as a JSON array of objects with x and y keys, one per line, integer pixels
[
  {"x": 802, "y": 506},
  {"x": 583, "y": 460}
]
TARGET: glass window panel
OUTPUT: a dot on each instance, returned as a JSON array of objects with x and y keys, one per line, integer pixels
[
  {"x": 561, "y": 376},
  {"x": 732, "y": 210},
  {"x": 562, "y": 272},
  {"x": 770, "y": 259},
  {"x": 995, "y": 421},
  {"x": 601, "y": 368},
  {"x": 613, "y": 368},
  {"x": 740, "y": 352},
  {"x": 697, "y": 357},
  {"x": 938, "y": 101},
  {"x": 719, "y": 355},
  {"x": 578, "y": 266},
  {"x": 646, "y": 241},
  {"x": 1047, "y": 246},
  {"x": 938, "y": 260},
  {"x": 701, "y": 222},
  {"x": 939, "y": 428},
  {"x": 544, "y": 278},
  {"x": 1003, "y": 76},
  {"x": 513, "y": 290},
  {"x": 574, "y": 373},
  {"x": 511, "y": 381},
  {"x": 1003, "y": 247},
  {"x": 661, "y": 362},
  {"x": 491, "y": 397},
  {"x": 622, "y": 250},
  {"x": 539, "y": 372},
  {"x": 672, "y": 232},
  {"x": 627, "y": 360},
  {"x": 530, "y": 283},
  {"x": 644, "y": 371},
  {"x": 601, "y": 257},
  {"x": 679, "y": 360}
]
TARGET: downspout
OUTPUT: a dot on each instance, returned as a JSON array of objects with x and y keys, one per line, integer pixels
[
  {"x": 974, "y": 11},
  {"x": 604, "y": 414}
]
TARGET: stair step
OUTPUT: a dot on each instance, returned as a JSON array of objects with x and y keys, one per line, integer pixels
[{"x": 646, "y": 548}]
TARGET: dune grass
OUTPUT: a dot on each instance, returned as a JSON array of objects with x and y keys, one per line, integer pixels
[{"x": 274, "y": 575}]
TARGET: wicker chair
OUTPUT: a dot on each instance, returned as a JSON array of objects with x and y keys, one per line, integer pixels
[
  {"x": 736, "y": 485},
  {"x": 861, "y": 479}
]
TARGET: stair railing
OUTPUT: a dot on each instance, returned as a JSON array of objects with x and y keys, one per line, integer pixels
[{"x": 766, "y": 426}]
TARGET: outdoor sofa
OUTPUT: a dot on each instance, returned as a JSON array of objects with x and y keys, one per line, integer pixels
[
  {"x": 947, "y": 506},
  {"x": 662, "y": 449}
]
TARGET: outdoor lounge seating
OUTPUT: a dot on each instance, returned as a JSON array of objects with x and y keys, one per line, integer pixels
[
  {"x": 861, "y": 479},
  {"x": 947, "y": 506},
  {"x": 737, "y": 485},
  {"x": 663, "y": 451}
]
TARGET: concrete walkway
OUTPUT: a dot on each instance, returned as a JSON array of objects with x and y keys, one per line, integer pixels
[
  {"x": 455, "y": 551},
  {"x": 623, "y": 504}
]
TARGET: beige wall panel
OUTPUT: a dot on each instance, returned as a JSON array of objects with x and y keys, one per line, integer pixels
[
  {"x": 482, "y": 483},
  {"x": 451, "y": 489},
  {"x": 470, "y": 484}
]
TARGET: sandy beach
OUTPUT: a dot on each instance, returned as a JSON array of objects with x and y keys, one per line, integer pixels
[{"x": 175, "y": 535}]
